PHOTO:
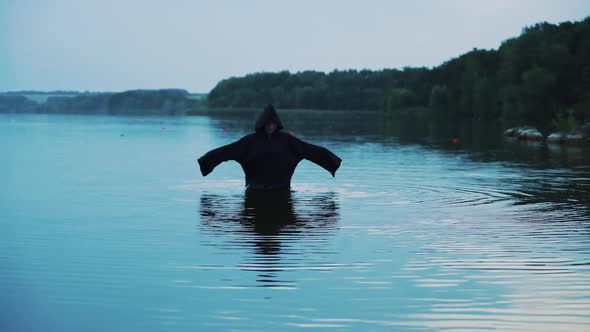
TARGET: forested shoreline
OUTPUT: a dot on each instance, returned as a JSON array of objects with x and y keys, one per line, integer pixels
[
  {"x": 132, "y": 102},
  {"x": 540, "y": 78}
]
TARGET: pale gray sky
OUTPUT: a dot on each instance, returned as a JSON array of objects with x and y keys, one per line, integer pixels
[{"x": 116, "y": 45}]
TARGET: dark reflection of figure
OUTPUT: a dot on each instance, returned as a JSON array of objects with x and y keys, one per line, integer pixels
[{"x": 269, "y": 222}]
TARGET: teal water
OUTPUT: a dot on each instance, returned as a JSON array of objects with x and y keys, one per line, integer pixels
[{"x": 107, "y": 225}]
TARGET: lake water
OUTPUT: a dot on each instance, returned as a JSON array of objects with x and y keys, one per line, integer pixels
[{"x": 108, "y": 225}]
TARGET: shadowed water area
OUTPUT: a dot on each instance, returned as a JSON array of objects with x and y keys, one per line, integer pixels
[{"x": 107, "y": 225}]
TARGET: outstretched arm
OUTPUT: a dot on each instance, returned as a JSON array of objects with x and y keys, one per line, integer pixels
[
  {"x": 317, "y": 155},
  {"x": 211, "y": 159}
]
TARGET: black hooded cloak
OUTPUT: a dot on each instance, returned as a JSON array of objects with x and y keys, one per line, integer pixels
[{"x": 269, "y": 161}]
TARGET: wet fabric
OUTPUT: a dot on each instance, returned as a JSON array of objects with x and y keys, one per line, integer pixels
[{"x": 269, "y": 161}]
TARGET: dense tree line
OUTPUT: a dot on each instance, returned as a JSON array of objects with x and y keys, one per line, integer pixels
[
  {"x": 349, "y": 89},
  {"x": 541, "y": 77},
  {"x": 145, "y": 102}
]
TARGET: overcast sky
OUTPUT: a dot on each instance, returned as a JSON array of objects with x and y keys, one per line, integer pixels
[{"x": 114, "y": 45}]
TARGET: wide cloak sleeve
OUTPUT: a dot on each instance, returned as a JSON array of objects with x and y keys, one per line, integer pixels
[
  {"x": 316, "y": 154},
  {"x": 234, "y": 151}
]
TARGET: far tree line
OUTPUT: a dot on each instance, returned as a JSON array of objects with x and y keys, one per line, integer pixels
[{"x": 541, "y": 78}]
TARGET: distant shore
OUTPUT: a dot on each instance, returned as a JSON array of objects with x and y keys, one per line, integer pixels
[{"x": 132, "y": 102}]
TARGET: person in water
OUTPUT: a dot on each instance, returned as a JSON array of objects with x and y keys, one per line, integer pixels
[{"x": 269, "y": 156}]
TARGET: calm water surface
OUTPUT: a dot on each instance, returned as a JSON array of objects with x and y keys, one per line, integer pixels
[{"x": 107, "y": 225}]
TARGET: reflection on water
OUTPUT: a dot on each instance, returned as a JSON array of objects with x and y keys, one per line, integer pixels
[
  {"x": 270, "y": 223},
  {"x": 483, "y": 141}
]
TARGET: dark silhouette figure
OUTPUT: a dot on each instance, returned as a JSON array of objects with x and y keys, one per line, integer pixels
[{"x": 269, "y": 156}]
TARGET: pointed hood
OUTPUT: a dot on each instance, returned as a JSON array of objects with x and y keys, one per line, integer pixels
[{"x": 268, "y": 115}]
